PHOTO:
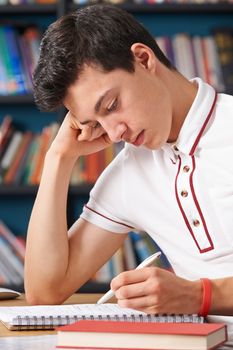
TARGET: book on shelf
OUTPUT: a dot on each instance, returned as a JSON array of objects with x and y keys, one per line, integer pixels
[
  {"x": 12, "y": 252},
  {"x": 13, "y": 271},
  {"x": 10, "y": 153},
  {"x": 52, "y": 316},
  {"x": 224, "y": 42},
  {"x": 15, "y": 61},
  {"x": 22, "y": 149},
  {"x": 22, "y": 156},
  {"x": 19, "y": 56},
  {"x": 16, "y": 242},
  {"x": 193, "y": 55},
  {"x": 208, "y": 57},
  {"x": 137, "y": 247},
  {"x": 136, "y": 335},
  {"x": 6, "y": 130}
]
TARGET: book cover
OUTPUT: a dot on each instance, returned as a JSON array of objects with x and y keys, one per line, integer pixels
[{"x": 136, "y": 335}]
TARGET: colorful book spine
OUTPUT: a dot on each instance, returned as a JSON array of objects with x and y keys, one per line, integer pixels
[
  {"x": 224, "y": 42},
  {"x": 11, "y": 83},
  {"x": 14, "y": 58}
]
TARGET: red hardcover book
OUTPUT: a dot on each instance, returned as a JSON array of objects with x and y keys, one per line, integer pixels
[
  {"x": 6, "y": 130},
  {"x": 137, "y": 335},
  {"x": 12, "y": 171}
]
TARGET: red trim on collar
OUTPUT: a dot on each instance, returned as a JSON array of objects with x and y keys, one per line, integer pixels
[
  {"x": 117, "y": 222},
  {"x": 203, "y": 127}
]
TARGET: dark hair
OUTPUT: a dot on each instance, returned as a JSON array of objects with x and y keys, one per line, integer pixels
[{"x": 96, "y": 34}]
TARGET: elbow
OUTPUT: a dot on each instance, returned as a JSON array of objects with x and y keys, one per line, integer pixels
[{"x": 43, "y": 297}]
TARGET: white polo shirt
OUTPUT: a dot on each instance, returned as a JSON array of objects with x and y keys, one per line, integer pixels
[{"x": 181, "y": 195}]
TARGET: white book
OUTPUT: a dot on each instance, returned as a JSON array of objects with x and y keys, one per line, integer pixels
[
  {"x": 129, "y": 254},
  {"x": 183, "y": 55},
  {"x": 12, "y": 263},
  {"x": 199, "y": 57},
  {"x": 4, "y": 273},
  {"x": 118, "y": 262},
  {"x": 12, "y": 240},
  {"x": 214, "y": 64},
  {"x": 11, "y": 150},
  {"x": 103, "y": 274}
]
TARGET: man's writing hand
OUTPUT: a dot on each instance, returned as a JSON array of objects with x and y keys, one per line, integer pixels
[{"x": 155, "y": 290}]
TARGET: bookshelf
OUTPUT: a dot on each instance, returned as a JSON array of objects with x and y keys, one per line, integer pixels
[
  {"x": 160, "y": 19},
  {"x": 28, "y": 9},
  {"x": 174, "y": 8}
]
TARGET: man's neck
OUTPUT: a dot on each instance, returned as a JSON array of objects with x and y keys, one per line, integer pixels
[{"x": 183, "y": 93}]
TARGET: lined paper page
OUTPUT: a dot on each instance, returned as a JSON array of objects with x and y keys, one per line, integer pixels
[{"x": 7, "y": 314}]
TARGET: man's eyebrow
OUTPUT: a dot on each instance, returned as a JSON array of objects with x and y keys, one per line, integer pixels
[{"x": 97, "y": 106}]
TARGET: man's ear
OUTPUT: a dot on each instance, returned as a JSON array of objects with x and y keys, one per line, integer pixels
[{"x": 144, "y": 56}]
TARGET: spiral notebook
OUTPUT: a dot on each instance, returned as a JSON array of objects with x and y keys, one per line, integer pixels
[{"x": 51, "y": 316}]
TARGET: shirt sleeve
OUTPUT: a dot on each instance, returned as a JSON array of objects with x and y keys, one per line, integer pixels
[{"x": 106, "y": 207}]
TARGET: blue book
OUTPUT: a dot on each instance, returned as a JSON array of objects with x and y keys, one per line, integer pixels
[{"x": 14, "y": 58}]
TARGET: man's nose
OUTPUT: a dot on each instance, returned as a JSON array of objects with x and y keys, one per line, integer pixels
[{"x": 115, "y": 131}]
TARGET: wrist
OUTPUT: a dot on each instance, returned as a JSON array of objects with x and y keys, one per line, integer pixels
[
  {"x": 57, "y": 155},
  {"x": 206, "y": 297},
  {"x": 196, "y": 287}
]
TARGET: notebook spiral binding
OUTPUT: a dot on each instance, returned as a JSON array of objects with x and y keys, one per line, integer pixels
[{"x": 50, "y": 322}]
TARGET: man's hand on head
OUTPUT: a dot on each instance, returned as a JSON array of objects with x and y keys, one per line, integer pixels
[{"x": 74, "y": 140}]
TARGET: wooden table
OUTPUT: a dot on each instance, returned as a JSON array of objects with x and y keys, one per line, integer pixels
[{"x": 74, "y": 299}]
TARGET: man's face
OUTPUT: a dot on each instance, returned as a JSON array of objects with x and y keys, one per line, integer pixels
[{"x": 133, "y": 107}]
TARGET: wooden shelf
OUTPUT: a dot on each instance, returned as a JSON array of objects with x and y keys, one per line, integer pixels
[
  {"x": 129, "y": 6},
  {"x": 173, "y": 8},
  {"x": 28, "y": 9},
  {"x": 16, "y": 99},
  {"x": 19, "y": 190}
]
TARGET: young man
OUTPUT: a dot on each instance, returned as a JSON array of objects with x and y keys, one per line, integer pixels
[{"x": 174, "y": 178}]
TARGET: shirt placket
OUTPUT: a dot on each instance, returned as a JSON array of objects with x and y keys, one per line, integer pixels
[{"x": 188, "y": 202}]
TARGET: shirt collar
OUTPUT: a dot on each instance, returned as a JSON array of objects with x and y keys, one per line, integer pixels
[{"x": 197, "y": 119}]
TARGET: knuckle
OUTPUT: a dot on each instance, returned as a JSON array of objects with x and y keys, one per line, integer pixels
[
  {"x": 155, "y": 300},
  {"x": 124, "y": 293},
  {"x": 153, "y": 286},
  {"x": 113, "y": 284},
  {"x": 123, "y": 278},
  {"x": 124, "y": 303},
  {"x": 154, "y": 272}
]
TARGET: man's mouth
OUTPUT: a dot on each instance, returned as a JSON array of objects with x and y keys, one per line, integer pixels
[{"x": 139, "y": 139}]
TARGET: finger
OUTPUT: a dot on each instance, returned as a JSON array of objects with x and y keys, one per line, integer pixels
[
  {"x": 131, "y": 277},
  {"x": 85, "y": 134},
  {"x": 96, "y": 133},
  {"x": 97, "y": 144},
  {"x": 132, "y": 291},
  {"x": 147, "y": 303}
]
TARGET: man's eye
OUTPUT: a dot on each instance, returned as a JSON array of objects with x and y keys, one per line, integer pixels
[
  {"x": 113, "y": 106},
  {"x": 96, "y": 125}
]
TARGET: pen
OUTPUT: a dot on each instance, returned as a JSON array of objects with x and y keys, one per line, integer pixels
[{"x": 147, "y": 262}]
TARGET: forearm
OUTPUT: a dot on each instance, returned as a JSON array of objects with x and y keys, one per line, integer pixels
[
  {"x": 222, "y": 296},
  {"x": 221, "y": 302},
  {"x": 47, "y": 250}
]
